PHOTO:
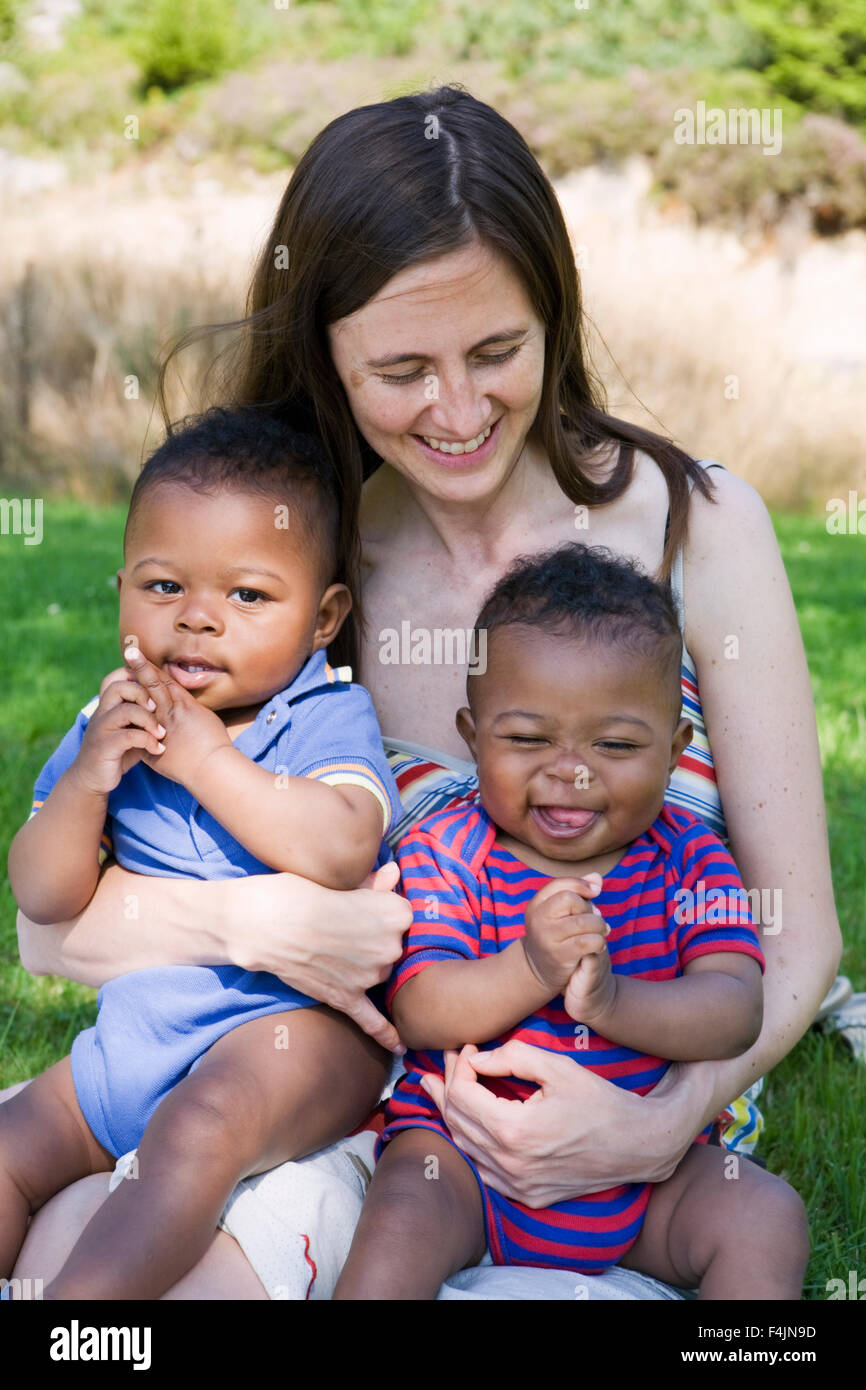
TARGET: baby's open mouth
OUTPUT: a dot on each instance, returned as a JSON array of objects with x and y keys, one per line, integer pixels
[
  {"x": 192, "y": 673},
  {"x": 563, "y": 821}
]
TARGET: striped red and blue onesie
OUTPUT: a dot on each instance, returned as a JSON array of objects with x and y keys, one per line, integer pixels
[{"x": 675, "y": 895}]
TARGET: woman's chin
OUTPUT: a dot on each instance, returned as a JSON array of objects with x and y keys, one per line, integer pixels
[{"x": 466, "y": 484}]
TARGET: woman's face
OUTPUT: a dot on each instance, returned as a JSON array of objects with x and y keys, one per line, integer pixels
[{"x": 446, "y": 352}]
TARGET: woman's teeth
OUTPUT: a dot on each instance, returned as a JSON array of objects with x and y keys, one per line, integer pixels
[{"x": 469, "y": 448}]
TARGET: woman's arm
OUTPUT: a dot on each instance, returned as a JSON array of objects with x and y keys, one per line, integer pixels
[
  {"x": 332, "y": 945},
  {"x": 580, "y": 1133},
  {"x": 760, "y": 717}
]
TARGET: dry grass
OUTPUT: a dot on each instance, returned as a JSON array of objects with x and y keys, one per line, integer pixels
[
  {"x": 123, "y": 264},
  {"x": 754, "y": 354}
]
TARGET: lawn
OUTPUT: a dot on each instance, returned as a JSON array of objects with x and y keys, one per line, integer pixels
[{"x": 59, "y": 637}]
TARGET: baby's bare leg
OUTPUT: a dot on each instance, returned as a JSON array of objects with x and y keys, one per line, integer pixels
[
  {"x": 250, "y": 1104},
  {"x": 724, "y": 1225},
  {"x": 422, "y": 1220},
  {"x": 45, "y": 1144}
]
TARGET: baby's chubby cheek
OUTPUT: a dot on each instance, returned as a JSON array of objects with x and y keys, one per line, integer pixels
[{"x": 508, "y": 806}]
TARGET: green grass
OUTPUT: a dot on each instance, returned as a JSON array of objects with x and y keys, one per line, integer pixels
[
  {"x": 59, "y": 636},
  {"x": 53, "y": 661}
]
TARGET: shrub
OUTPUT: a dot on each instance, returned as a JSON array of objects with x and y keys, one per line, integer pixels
[
  {"x": 814, "y": 52},
  {"x": 186, "y": 41}
]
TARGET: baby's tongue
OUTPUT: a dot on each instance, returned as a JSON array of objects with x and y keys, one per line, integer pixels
[{"x": 561, "y": 815}]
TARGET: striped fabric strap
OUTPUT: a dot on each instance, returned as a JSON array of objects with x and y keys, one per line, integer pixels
[{"x": 424, "y": 787}]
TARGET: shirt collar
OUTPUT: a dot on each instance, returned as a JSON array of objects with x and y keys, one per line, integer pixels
[
  {"x": 275, "y": 716},
  {"x": 315, "y": 673}
]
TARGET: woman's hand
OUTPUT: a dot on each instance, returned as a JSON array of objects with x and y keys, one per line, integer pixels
[
  {"x": 340, "y": 945},
  {"x": 577, "y": 1134},
  {"x": 333, "y": 945}
]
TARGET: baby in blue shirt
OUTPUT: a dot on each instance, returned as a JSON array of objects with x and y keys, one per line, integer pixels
[{"x": 227, "y": 745}]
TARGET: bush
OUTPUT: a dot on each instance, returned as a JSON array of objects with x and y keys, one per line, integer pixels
[
  {"x": 9, "y": 11},
  {"x": 814, "y": 53},
  {"x": 187, "y": 41}
]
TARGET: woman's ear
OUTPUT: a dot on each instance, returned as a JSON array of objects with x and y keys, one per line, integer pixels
[
  {"x": 466, "y": 728},
  {"x": 334, "y": 608}
]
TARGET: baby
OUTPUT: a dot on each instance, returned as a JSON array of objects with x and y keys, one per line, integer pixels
[
  {"x": 575, "y": 728},
  {"x": 227, "y": 746}
]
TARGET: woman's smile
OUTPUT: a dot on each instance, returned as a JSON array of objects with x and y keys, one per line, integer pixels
[{"x": 454, "y": 455}]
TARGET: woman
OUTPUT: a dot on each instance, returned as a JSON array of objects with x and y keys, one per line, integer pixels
[{"x": 418, "y": 302}]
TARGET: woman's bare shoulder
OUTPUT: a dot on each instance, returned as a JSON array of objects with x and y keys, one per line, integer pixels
[
  {"x": 734, "y": 499},
  {"x": 734, "y": 519},
  {"x": 733, "y": 572}
]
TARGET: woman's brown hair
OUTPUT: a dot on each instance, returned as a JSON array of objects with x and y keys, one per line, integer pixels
[{"x": 385, "y": 187}]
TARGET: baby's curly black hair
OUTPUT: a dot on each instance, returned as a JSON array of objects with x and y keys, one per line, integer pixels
[
  {"x": 587, "y": 592},
  {"x": 250, "y": 450}
]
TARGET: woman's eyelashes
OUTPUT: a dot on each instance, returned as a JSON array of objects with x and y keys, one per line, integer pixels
[{"x": 488, "y": 361}]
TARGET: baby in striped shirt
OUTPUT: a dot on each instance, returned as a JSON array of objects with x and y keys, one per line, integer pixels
[{"x": 567, "y": 906}]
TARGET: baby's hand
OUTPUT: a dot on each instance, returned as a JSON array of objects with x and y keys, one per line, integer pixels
[
  {"x": 191, "y": 732},
  {"x": 591, "y": 990},
  {"x": 122, "y": 728},
  {"x": 561, "y": 926}
]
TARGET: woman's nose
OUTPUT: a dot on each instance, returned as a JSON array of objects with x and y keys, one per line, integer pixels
[{"x": 459, "y": 409}]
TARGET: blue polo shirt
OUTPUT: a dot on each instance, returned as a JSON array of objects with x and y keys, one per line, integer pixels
[
  {"x": 321, "y": 726},
  {"x": 154, "y": 1026}
]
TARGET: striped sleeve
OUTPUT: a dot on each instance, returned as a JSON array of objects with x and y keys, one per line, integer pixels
[
  {"x": 712, "y": 911},
  {"x": 353, "y": 772},
  {"x": 446, "y": 910},
  {"x": 342, "y": 744}
]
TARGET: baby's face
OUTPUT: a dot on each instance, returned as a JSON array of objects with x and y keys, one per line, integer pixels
[
  {"x": 219, "y": 597},
  {"x": 574, "y": 742}
]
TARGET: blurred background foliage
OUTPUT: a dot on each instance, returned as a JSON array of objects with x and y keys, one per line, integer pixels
[
  {"x": 586, "y": 83},
  {"x": 227, "y": 94}
]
